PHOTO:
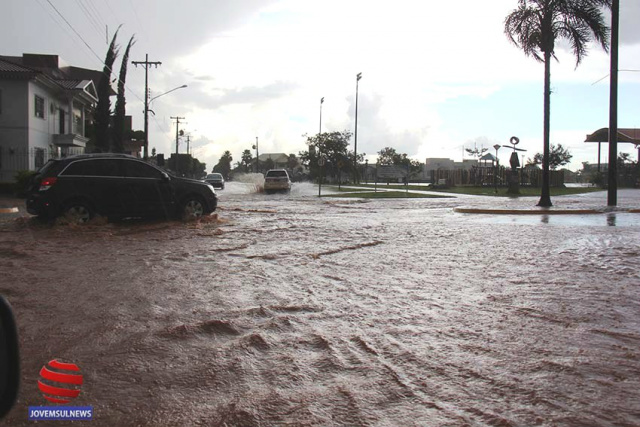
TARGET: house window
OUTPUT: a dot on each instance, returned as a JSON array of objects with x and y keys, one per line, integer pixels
[
  {"x": 39, "y": 104},
  {"x": 62, "y": 118},
  {"x": 39, "y": 158}
]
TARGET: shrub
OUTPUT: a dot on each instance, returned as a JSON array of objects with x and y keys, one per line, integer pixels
[{"x": 23, "y": 179}]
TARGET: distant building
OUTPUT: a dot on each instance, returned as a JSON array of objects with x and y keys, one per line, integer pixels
[
  {"x": 439, "y": 163},
  {"x": 436, "y": 163},
  {"x": 133, "y": 141},
  {"x": 45, "y": 106},
  {"x": 280, "y": 160}
]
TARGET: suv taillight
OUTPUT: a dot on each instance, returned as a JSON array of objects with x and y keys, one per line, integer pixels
[{"x": 47, "y": 183}]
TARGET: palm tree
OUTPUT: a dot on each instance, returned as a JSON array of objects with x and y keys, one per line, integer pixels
[
  {"x": 536, "y": 25},
  {"x": 102, "y": 117},
  {"x": 117, "y": 143}
]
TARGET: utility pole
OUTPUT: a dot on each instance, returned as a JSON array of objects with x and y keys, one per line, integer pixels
[
  {"x": 188, "y": 137},
  {"x": 355, "y": 144},
  {"x": 177, "y": 119},
  {"x": 146, "y": 65},
  {"x": 612, "y": 191}
]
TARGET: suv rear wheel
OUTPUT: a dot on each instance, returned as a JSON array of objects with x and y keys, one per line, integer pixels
[{"x": 78, "y": 212}]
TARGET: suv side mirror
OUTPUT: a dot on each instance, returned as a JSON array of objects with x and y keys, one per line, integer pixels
[
  {"x": 9, "y": 358},
  {"x": 165, "y": 177}
]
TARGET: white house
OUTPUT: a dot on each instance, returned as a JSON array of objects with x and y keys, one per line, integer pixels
[{"x": 44, "y": 108}]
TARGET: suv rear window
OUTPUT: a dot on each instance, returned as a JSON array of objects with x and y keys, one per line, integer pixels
[
  {"x": 94, "y": 167},
  {"x": 50, "y": 166},
  {"x": 277, "y": 174}
]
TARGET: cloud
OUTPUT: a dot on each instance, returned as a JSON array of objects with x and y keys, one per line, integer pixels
[{"x": 435, "y": 74}]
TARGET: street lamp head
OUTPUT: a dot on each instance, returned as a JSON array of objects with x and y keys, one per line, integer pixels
[
  {"x": 162, "y": 94},
  {"x": 497, "y": 146},
  {"x": 321, "y": 100},
  {"x": 359, "y": 76}
]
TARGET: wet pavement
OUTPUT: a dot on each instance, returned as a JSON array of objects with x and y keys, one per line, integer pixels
[{"x": 294, "y": 310}]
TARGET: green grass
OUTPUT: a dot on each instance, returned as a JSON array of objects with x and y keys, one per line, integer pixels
[
  {"x": 343, "y": 190},
  {"x": 364, "y": 194},
  {"x": 490, "y": 191}
]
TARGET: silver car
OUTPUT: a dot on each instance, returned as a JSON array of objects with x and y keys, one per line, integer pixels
[
  {"x": 216, "y": 180},
  {"x": 277, "y": 180}
]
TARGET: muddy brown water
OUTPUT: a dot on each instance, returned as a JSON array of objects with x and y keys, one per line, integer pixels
[{"x": 290, "y": 310}]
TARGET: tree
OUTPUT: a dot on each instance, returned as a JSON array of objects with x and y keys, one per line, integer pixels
[
  {"x": 246, "y": 160},
  {"x": 292, "y": 162},
  {"x": 535, "y": 26},
  {"x": 558, "y": 156},
  {"x": 224, "y": 165},
  {"x": 118, "y": 117},
  {"x": 624, "y": 158},
  {"x": 389, "y": 156},
  {"x": 189, "y": 165},
  {"x": 333, "y": 146},
  {"x": 269, "y": 164},
  {"x": 103, "y": 107}
]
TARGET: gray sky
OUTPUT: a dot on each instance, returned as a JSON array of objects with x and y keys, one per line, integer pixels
[{"x": 437, "y": 76}]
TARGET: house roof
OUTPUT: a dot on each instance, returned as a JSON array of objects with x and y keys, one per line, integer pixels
[
  {"x": 53, "y": 70},
  {"x": 10, "y": 69},
  {"x": 276, "y": 157},
  {"x": 629, "y": 135}
]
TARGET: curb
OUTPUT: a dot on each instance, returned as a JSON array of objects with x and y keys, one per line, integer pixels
[
  {"x": 537, "y": 212},
  {"x": 9, "y": 210}
]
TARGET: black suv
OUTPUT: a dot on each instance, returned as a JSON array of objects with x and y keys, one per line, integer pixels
[{"x": 115, "y": 186}]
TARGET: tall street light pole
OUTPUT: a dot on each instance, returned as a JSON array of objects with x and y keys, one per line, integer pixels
[
  {"x": 612, "y": 192},
  {"x": 257, "y": 156},
  {"x": 146, "y": 115},
  {"x": 321, "y": 102},
  {"x": 355, "y": 137},
  {"x": 495, "y": 173},
  {"x": 163, "y": 94}
]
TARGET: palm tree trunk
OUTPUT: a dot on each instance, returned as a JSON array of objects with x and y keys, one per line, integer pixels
[{"x": 545, "y": 198}]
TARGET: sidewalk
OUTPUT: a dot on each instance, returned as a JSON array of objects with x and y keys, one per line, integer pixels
[
  {"x": 10, "y": 204},
  {"x": 576, "y": 204}
]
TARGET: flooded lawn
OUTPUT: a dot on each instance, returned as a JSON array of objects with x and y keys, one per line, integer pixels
[{"x": 289, "y": 310}]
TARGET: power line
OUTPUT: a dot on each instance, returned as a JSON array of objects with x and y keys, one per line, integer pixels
[
  {"x": 599, "y": 80},
  {"x": 88, "y": 46},
  {"x": 90, "y": 18},
  {"x": 111, "y": 9},
  {"x": 135, "y": 13},
  {"x": 62, "y": 27},
  {"x": 92, "y": 8}
]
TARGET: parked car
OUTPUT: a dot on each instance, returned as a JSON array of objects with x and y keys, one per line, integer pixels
[
  {"x": 277, "y": 180},
  {"x": 215, "y": 179},
  {"x": 115, "y": 186}
]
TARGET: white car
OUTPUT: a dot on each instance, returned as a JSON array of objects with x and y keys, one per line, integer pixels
[{"x": 277, "y": 180}]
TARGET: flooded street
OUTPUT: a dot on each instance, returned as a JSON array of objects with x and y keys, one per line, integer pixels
[{"x": 290, "y": 310}]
